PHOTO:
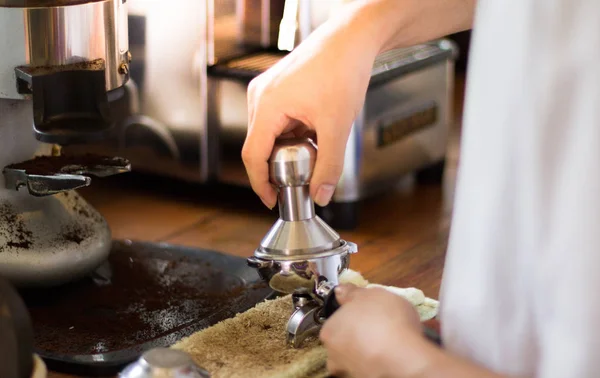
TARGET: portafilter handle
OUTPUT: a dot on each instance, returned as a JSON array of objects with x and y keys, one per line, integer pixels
[
  {"x": 291, "y": 167},
  {"x": 326, "y": 291}
]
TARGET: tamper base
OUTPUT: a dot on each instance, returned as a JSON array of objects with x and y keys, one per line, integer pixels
[{"x": 298, "y": 239}]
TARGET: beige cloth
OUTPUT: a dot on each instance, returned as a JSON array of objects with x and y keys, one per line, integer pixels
[{"x": 253, "y": 343}]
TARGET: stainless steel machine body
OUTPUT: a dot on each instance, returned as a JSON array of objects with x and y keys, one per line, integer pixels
[
  {"x": 193, "y": 61},
  {"x": 300, "y": 255},
  {"x": 37, "y": 34},
  {"x": 63, "y": 64},
  {"x": 72, "y": 49}
]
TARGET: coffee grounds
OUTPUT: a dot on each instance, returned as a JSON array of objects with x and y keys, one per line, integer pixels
[
  {"x": 75, "y": 232},
  {"x": 81, "y": 207},
  {"x": 18, "y": 236},
  {"x": 51, "y": 165},
  {"x": 73, "y": 236},
  {"x": 138, "y": 299},
  {"x": 13, "y": 229},
  {"x": 23, "y": 244}
]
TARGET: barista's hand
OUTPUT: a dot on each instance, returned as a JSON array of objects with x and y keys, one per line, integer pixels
[
  {"x": 317, "y": 90},
  {"x": 320, "y": 87},
  {"x": 374, "y": 334}
]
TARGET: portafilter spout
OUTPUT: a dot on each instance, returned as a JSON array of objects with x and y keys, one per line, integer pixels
[{"x": 300, "y": 255}]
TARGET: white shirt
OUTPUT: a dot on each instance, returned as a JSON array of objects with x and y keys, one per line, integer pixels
[{"x": 521, "y": 287}]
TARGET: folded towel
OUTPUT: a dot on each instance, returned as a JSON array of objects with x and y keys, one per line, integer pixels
[
  {"x": 426, "y": 307},
  {"x": 253, "y": 343}
]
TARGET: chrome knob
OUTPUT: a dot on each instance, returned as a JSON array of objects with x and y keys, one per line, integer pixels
[
  {"x": 292, "y": 162},
  {"x": 290, "y": 169},
  {"x": 164, "y": 363}
]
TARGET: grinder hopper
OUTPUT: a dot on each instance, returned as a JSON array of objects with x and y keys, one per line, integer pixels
[{"x": 300, "y": 255}]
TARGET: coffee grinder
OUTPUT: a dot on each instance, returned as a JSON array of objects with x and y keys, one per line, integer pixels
[{"x": 64, "y": 65}]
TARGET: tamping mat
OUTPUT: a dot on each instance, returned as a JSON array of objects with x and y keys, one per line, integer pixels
[
  {"x": 147, "y": 295},
  {"x": 253, "y": 344}
]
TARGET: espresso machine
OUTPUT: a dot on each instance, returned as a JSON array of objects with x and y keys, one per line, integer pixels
[{"x": 194, "y": 60}]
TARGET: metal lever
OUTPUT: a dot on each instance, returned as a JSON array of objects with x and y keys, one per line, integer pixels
[
  {"x": 303, "y": 323},
  {"x": 63, "y": 178},
  {"x": 308, "y": 318}
]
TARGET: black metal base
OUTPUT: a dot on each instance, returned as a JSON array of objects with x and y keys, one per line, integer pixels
[
  {"x": 344, "y": 215},
  {"x": 432, "y": 174},
  {"x": 340, "y": 215}
]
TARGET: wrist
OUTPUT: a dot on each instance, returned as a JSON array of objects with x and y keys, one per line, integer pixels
[
  {"x": 403, "y": 23},
  {"x": 356, "y": 25},
  {"x": 388, "y": 18},
  {"x": 416, "y": 357},
  {"x": 430, "y": 361}
]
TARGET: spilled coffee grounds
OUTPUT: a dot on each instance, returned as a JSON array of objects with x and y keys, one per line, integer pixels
[{"x": 131, "y": 300}]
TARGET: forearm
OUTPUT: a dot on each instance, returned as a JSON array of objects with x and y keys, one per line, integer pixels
[
  {"x": 444, "y": 365},
  {"x": 429, "y": 361},
  {"x": 403, "y": 23}
]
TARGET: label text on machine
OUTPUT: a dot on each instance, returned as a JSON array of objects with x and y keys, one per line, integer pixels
[{"x": 417, "y": 119}]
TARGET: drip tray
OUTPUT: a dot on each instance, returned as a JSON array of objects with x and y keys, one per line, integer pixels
[
  {"x": 146, "y": 295},
  {"x": 247, "y": 67}
]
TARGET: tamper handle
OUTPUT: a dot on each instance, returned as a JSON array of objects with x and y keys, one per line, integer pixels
[{"x": 290, "y": 169}]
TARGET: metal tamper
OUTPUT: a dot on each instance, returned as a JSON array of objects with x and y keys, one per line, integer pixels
[{"x": 300, "y": 255}]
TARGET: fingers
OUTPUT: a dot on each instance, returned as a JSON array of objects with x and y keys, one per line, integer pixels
[
  {"x": 345, "y": 293},
  {"x": 255, "y": 155},
  {"x": 294, "y": 129},
  {"x": 335, "y": 357},
  {"x": 266, "y": 123},
  {"x": 265, "y": 126},
  {"x": 333, "y": 336},
  {"x": 335, "y": 368},
  {"x": 329, "y": 164},
  {"x": 332, "y": 367}
]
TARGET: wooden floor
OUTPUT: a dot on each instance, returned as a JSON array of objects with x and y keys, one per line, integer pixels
[{"x": 402, "y": 235}]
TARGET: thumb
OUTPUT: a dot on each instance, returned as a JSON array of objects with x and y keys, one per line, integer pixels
[{"x": 329, "y": 164}]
